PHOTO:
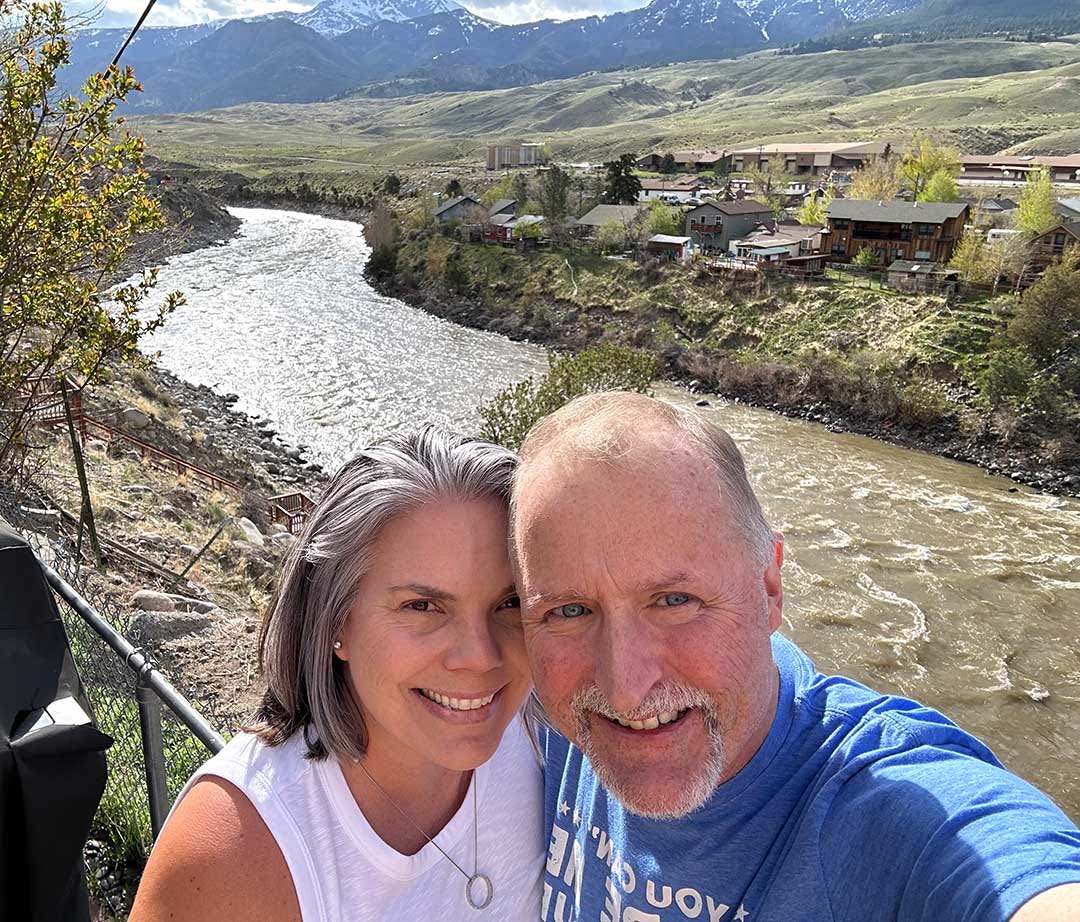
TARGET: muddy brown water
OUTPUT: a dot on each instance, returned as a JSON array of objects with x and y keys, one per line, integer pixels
[{"x": 912, "y": 573}]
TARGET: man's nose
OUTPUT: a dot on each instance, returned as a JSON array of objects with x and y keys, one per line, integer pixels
[
  {"x": 629, "y": 662},
  {"x": 474, "y": 647}
]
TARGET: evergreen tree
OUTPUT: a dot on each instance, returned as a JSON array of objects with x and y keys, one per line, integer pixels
[
  {"x": 453, "y": 188},
  {"x": 621, "y": 185},
  {"x": 667, "y": 164}
]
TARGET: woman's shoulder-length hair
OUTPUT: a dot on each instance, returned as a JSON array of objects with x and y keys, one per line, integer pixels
[{"x": 307, "y": 688}]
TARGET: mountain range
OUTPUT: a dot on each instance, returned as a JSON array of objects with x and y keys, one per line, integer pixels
[{"x": 399, "y": 47}]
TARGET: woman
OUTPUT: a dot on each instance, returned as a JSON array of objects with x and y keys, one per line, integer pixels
[{"x": 378, "y": 781}]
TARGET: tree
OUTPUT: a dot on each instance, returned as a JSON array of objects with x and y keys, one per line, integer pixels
[
  {"x": 554, "y": 195},
  {"x": 504, "y": 188},
  {"x": 941, "y": 187},
  {"x": 512, "y": 412},
  {"x": 925, "y": 158},
  {"x": 612, "y": 237},
  {"x": 866, "y": 258},
  {"x": 1048, "y": 314},
  {"x": 813, "y": 209},
  {"x": 661, "y": 219},
  {"x": 380, "y": 232},
  {"x": 520, "y": 187},
  {"x": 453, "y": 189},
  {"x": 621, "y": 185},
  {"x": 667, "y": 164},
  {"x": 392, "y": 184},
  {"x": 877, "y": 180},
  {"x": 73, "y": 196},
  {"x": 1036, "y": 213},
  {"x": 770, "y": 184}
]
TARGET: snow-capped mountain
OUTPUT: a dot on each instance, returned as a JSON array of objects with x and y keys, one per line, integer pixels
[
  {"x": 332, "y": 17},
  {"x": 794, "y": 20}
]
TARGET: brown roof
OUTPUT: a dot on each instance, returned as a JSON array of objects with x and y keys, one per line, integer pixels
[
  {"x": 841, "y": 147},
  {"x": 678, "y": 184},
  {"x": 741, "y": 206},
  {"x": 1070, "y": 227}
]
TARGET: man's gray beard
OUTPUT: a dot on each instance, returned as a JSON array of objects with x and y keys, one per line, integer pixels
[{"x": 667, "y": 697}]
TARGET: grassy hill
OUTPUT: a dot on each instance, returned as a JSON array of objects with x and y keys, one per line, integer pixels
[{"x": 985, "y": 95}]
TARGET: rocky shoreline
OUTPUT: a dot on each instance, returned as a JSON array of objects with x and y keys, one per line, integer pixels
[{"x": 1019, "y": 462}]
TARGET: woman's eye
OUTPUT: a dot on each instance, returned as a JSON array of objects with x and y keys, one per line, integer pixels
[
  {"x": 421, "y": 605},
  {"x": 573, "y": 610},
  {"x": 512, "y": 602},
  {"x": 674, "y": 598}
]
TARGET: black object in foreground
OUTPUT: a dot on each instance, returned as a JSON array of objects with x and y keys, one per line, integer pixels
[{"x": 52, "y": 758}]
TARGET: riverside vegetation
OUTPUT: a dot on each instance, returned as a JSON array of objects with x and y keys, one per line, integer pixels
[{"x": 995, "y": 381}]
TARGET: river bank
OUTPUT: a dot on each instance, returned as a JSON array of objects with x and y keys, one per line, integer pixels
[{"x": 827, "y": 355}]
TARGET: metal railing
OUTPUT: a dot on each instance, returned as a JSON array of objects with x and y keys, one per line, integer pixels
[
  {"x": 161, "y": 733},
  {"x": 151, "y": 690}
]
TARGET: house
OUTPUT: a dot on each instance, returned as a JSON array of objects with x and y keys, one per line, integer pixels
[
  {"x": 992, "y": 212},
  {"x": 1050, "y": 247},
  {"x": 921, "y": 231},
  {"x": 503, "y": 206},
  {"x": 629, "y": 216},
  {"x": 1012, "y": 169},
  {"x": 461, "y": 208},
  {"x": 906, "y": 275},
  {"x": 673, "y": 191},
  {"x": 808, "y": 159},
  {"x": 1068, "y": 209},
  {"x": 713, "y": 225},
  {"x": 515, "y": 154},
  {"x": 509, "y": 229},
  {"x": 688, "y": 161},
  {"x": 669, "y": 248},
  {"x": 768, "y": 244}
]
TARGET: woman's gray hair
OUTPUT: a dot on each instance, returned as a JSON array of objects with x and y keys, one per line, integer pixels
[{"x": 308, "y": 688}]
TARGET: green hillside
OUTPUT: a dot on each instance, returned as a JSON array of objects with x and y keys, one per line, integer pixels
[{"x": 985, "y": 95}]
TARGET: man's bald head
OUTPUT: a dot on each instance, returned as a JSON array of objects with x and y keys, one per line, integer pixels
[{"x": 618, "y": 427}]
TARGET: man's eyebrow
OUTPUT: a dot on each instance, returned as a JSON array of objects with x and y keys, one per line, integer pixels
[
  {"x": 666, "y": 581},
  {"x": 546, "y": 598},
  {"x": 427, "y": 591}
]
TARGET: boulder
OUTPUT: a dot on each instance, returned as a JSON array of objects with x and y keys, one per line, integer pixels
[
  {"x": 163, "y": 626},
  {"x": 137, "y": 489},
  {"x": 134, "y": 418},
  {"x": 153, "y": 600},
  {"x": 282, "y": 539},
  {"x": 250, "y": 531}
]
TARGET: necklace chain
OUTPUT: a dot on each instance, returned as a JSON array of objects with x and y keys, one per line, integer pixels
[{"x": 470, "y": 878}]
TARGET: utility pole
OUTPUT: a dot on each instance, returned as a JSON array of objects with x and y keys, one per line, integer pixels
[{"x": 86, "y": 515}]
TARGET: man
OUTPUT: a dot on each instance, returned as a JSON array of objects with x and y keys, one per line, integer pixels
[{"x": 714, "y": 774}]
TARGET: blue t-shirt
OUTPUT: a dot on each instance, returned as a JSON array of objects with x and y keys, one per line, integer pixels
[{"x": 858, "y": 807}]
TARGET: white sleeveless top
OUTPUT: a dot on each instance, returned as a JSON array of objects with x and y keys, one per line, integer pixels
[{"x": 343, "y": 872}]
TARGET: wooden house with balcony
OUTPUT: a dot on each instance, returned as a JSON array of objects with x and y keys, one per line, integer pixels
[
  {"x": 915, "y": 231},
  {"x": 713, "y": 225},
  {"x": 1049, "y": 247}
]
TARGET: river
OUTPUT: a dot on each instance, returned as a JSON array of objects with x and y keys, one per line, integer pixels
[{"x": 912, "y": 573}]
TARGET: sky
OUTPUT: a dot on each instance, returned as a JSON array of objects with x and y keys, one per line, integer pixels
[{"x": 124, "y": 13}]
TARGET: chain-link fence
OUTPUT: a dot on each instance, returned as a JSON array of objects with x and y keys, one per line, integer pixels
[{"x": 155, "y": 748}]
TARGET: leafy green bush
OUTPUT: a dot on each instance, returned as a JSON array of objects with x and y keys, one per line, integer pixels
[
  {"x": 511, "y": 413},
  {"x": 1008, "y": 377},
  {"x": 866, "y": 258}
]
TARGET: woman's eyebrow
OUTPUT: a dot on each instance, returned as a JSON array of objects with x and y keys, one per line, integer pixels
[{"x": 428, "y": 591}]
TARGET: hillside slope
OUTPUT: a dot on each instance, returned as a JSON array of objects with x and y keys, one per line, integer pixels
[{"x": 985, "y": 95}]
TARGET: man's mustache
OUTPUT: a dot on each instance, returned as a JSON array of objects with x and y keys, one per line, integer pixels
[{"x": 666, "y": 697}]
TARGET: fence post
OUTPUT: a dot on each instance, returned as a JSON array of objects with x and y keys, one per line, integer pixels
[{"x": 153, "y": 754}]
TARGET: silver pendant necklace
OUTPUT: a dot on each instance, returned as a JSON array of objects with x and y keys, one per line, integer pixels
[{"x": 473, "y": 882}]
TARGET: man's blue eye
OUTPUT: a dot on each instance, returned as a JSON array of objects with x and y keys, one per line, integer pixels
[
  {"x": 675, "y": 598},
  {"x": 573, "y": 610}
]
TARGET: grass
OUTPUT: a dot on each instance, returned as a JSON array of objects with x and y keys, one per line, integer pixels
[{"x": 984, "y": 95}]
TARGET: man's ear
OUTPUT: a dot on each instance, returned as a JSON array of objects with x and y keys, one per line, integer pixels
[{"x": 774, "y": 584}]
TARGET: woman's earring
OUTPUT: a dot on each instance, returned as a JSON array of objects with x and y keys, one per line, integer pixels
[{"x": 337, "y": 644}]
